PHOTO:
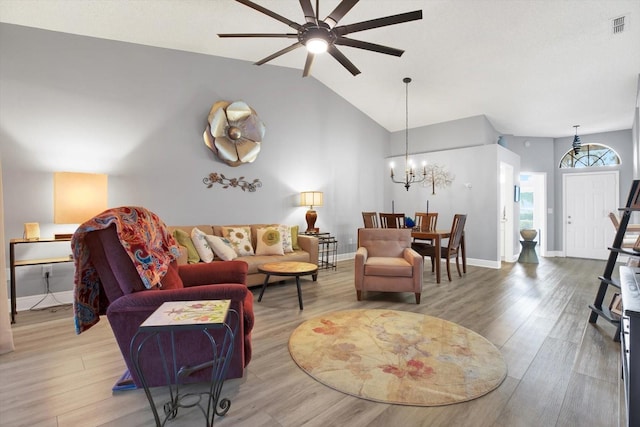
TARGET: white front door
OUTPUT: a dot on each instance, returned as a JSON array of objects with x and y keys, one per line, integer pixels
[{"x": 588, "y": 199}]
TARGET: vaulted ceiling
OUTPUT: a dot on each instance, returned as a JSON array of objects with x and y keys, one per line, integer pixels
[{"x": 533, "y": 67}]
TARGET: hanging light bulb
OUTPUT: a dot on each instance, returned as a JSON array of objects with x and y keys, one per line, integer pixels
[{"x": 577, "y": 144}]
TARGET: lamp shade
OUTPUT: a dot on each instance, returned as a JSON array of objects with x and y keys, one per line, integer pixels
[
  {"x": 78, "y": 197},
  {"x": 311, "y": 198}
]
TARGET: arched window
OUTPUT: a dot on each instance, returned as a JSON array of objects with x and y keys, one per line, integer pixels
[{"x": 590, "y": 155}]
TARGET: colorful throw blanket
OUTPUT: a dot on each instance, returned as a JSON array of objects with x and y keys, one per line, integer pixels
[{"x": 145, "y": 238}]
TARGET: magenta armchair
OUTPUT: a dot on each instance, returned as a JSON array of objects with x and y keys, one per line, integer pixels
[
  {"x": 385, "y": 262},
  {"x": 128, "y": 303}
]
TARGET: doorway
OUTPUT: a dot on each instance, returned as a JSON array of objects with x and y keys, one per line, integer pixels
[
  {"x": 533, "y": 206},
  {"x": 587, "y": 200}
]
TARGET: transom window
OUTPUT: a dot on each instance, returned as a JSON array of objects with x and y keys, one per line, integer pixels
[{"x": 590, "y": 155}]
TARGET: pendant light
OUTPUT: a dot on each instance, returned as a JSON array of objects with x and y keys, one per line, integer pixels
[
  {"x": 577, "y": 145},
  {"x": 409, "y": 175}
]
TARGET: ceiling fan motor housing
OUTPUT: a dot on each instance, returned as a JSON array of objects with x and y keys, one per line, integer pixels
[{"x": 320, "y": 30}]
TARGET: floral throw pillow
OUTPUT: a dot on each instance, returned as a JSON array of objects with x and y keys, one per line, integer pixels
[
  {"x": 240, "y": 239},
  {"x": 221, "y": 247},
  {"x": 202, "y": 246},
  {"x": 269, "y": 241},
  {"x": 285, "y": 233}
]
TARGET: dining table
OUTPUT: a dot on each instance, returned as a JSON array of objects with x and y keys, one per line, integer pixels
[{"x": 436, "y": 236}]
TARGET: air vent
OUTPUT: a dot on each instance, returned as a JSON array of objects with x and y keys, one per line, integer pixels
[{"x": 618, "y": 25}]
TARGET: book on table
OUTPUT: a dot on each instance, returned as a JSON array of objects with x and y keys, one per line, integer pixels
[{"x": 176, "y": 313}]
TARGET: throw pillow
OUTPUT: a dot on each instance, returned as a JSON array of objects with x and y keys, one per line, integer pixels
[
  {"x": 202, "y": 246},
  {"x": 240, "y": 239},
  {"x": 269, "y": 241},
  {"x": 221, "y": 247},
  {"x": 184, "y": 239},
  {"x": 285, "y": 233},
  {"x": 294, "y": 238}
]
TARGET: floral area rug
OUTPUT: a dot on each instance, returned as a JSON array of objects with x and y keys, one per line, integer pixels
[{"x": 397, "y": 357}]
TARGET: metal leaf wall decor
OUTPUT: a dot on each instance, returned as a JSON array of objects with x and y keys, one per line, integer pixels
[
  {"x": 437, "y": 176},
  {"x": 234, "y": 132},
  {"x": 218, "y": 178}
]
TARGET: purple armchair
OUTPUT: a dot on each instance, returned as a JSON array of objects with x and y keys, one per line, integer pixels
[{"x": 128, "y": 303}]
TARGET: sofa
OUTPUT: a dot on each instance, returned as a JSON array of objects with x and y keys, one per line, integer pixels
[{"x": 305, "y": 251}]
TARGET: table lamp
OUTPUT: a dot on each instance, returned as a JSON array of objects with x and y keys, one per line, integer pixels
[
  {"x": 311, "y": 199},
  {"x": 77, "y": 197}
]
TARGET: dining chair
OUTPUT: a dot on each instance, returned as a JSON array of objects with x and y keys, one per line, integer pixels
[
  {"x": 392, "y": 220},
  {"x": 453, "y": 246},
  {"x": 426, "y": 221},
  {"x": 370, "y": 219}
]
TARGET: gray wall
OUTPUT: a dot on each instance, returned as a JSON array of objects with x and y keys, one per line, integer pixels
[
  {"x": 544, "y": 155},
  {"x": 137, "y": 113},
  {"x": 467, "y": 148},
  {"x": 71, "y": 103}
]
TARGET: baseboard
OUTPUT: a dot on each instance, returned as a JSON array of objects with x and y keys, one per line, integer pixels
[{"x": 25, "y": 303}]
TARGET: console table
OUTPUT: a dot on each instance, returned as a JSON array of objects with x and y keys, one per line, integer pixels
[
  {"x": 25, "y": 262},
  {"x": 172, "y": 318}
]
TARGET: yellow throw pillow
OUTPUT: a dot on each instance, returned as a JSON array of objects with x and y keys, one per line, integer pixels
[
  {"x": 294, "y": 238},
  {"x": 269, "y": 241},
  {"x": 183, "y": 239}
]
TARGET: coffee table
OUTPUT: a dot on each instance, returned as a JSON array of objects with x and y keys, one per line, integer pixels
[{"x": 287, "y": 268}]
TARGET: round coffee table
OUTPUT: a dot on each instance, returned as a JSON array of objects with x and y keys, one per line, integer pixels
[{"x": 287, "y": 268}]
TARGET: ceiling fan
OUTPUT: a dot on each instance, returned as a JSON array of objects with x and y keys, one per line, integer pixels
[{"x": 319, "y": 35}]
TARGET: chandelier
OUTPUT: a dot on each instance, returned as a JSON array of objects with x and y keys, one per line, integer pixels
[
  {"x": 410, "y": 176},
  {"x": 577, "y": 144}
]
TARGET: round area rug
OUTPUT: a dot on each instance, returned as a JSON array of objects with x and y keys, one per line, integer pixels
[{"x": 397, "y": 357}]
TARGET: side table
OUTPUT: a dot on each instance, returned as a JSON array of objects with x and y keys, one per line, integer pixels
[
  {"x": 172, "y": 318},
  {"x": 528, "y": 253},
  {"x": 327, "y": 250}
]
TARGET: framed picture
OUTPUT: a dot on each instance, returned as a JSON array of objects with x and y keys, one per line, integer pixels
[
  {"x": 516, "y": 193},
  {"x": 616, "y": 304}
]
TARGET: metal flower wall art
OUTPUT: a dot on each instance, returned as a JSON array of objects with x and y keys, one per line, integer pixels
[
  {"x": 218, "y": 178},
  {"x": 437, "y": 176},
  {"x": 234, "y": 132}
]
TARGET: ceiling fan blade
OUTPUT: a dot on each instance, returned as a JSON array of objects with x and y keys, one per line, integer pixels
[
  {"x": 307, "y": 64},
  {"x": 343, "y": 41},
  {"x": 343, "y": 60},
  {"x": 307, "y": 9},
  {"x": 288, "y": 35},
  {"x": 267, "y": 12},
  {"x": 379, "y": 22},
  {"x": 339, "y": 12},
  {"x": 278, "y": 53}
]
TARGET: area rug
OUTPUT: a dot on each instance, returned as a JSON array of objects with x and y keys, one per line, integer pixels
[{"x": 397, "y": 357}]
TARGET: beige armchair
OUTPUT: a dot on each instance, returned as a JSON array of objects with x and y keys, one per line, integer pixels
[{"x": 385, "y": 262}]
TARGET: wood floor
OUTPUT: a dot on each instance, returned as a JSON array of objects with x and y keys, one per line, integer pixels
[{"x": 563, "y": 371}]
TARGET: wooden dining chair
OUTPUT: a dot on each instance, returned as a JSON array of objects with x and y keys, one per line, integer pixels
[
  {"x": 453, "y": 246},
  {"x": 426, "y": 221},
  {"x": 370, "y": 219},
  {"x": 392, "y": 220}
]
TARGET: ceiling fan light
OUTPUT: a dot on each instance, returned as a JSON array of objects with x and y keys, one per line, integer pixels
[{"x": 317, "y": 45}]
